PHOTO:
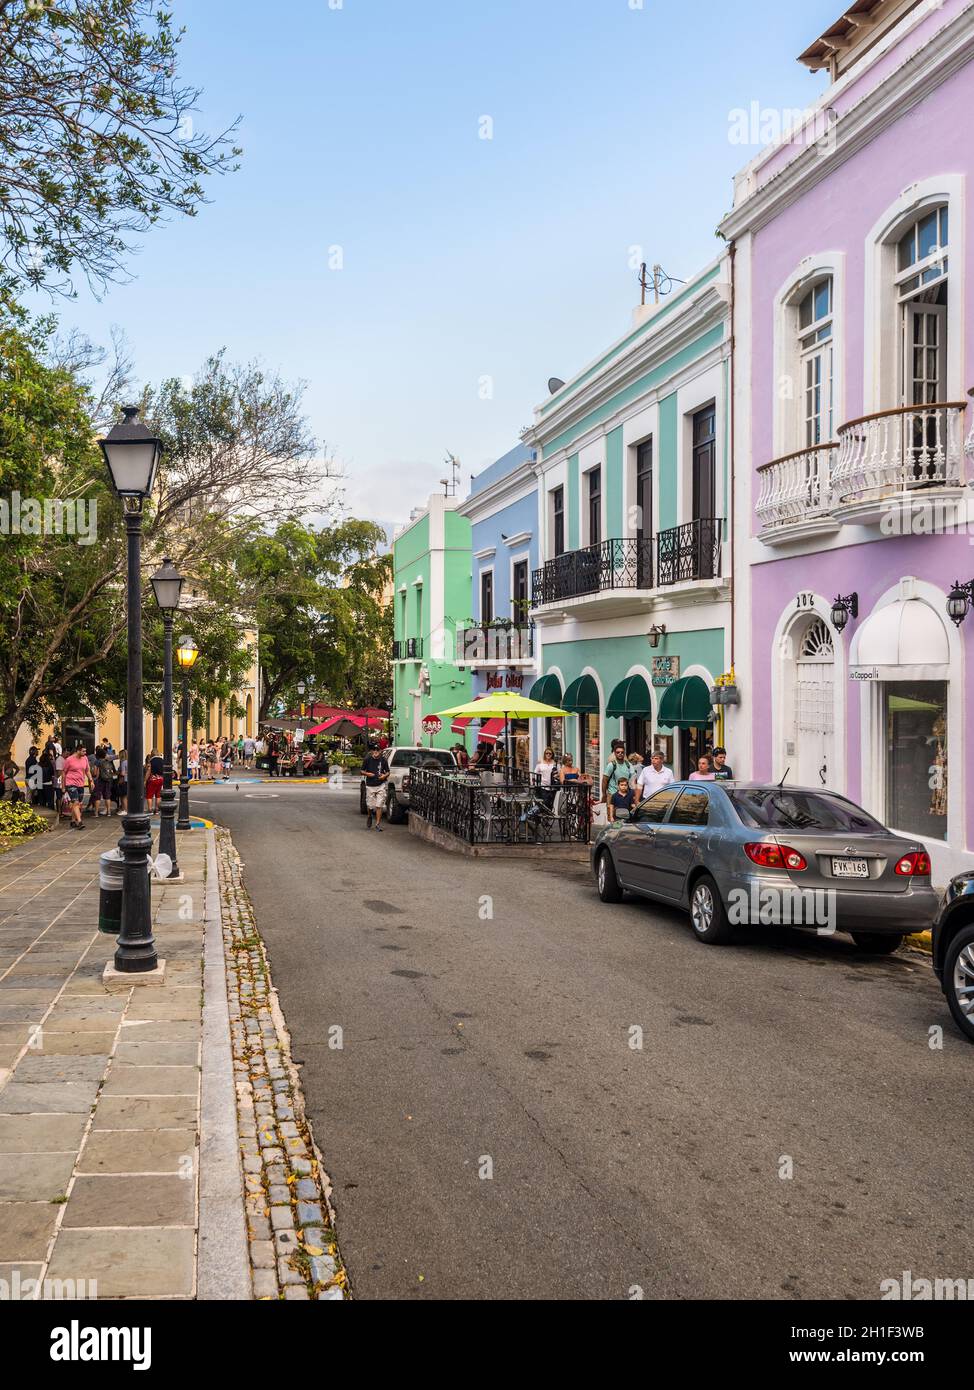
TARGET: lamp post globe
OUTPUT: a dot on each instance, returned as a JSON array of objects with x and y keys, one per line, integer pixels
[
  {"x": 132, "y": 453},
  {"x": 187, "y": 653},
  {"x": 167, "y": 585}
]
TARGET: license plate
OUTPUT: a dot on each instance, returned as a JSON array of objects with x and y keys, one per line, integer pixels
[{"x": 850, "y": 868}]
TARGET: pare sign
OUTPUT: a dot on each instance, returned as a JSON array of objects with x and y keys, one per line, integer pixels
[{"x": 432, "y": 724}]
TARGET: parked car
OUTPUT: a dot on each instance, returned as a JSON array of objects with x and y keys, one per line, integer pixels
[
  {"x": 953, "y": 949},
  {"x": 751, "y": 853},
  {"x": 401, "y": 760}
]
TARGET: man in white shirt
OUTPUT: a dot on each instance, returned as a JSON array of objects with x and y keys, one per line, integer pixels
[{"x": 653, "y": 777}]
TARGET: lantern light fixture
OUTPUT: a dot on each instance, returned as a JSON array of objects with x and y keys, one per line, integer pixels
[
  {"x": 844, "y": 607},
  {"x": 132, "y": 453}
]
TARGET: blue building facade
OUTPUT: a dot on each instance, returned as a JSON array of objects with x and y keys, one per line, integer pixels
[{"x": 496, "y": 640}]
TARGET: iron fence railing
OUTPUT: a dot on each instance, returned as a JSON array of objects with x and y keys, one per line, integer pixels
[
  {"x": 623, "y": 563},
  {"x": 408, "y": 649},
  {"x": 690, "y": 551},
  {"x": 517, "y": 810}
]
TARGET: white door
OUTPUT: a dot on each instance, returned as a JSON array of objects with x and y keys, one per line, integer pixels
[{"x": 814, "y": 694}]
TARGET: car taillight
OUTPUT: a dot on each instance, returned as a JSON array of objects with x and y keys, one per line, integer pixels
[
  {"x": 771, "y": 856},
  {"x": 916, "y": 865}
]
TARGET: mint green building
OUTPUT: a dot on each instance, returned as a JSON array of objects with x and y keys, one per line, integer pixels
[
  {"x": 631, "y": 599},
  {"x": 431, "y": 579}
]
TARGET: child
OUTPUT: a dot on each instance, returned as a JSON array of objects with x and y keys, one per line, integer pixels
[{"x": 621, "y": 801}]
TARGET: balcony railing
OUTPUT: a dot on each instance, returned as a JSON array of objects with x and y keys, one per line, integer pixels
[
  {"x": 409, "y": 649},
  {"x": 897, "y": 451},
  {"x": 796, "y": 487},
  {"x": 615, "y": 564},
  {"x": 500, "y": 642},
  {"x": 690, "y": 551}
]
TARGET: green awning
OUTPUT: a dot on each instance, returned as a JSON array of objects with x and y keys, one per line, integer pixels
[
  {"x": 581, "y": 697},
  {"x": 547, "y": 691},
  {"x": 685, "y": 705},
  {"x": 630, "y": 700}
]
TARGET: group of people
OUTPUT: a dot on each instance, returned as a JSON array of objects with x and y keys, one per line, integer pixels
[
  {"x": 215, "y": 758},
  {"x": 56, "y": 779},
  {"x": 627, "y": 778}
]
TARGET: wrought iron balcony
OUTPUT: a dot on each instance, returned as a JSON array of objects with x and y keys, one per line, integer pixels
[
  {"x": 898, "y": 451},
  {"x": 408, "y": 649},
  {"x": 796, "y": 488},
  {"x": 690, "y": 551},
  {"x": 616, "y": 564}
]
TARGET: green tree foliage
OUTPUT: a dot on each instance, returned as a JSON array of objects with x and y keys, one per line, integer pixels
[
  {"x": 97, "y": 136},
  {"x": 236, "y": 454},
  {"x": 317, "y": 595}
]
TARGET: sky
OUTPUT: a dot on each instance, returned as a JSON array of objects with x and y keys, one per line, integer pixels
[{"x": 422, "y": 280}]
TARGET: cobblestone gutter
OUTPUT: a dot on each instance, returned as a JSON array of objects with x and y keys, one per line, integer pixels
[{"x": 290, "y": 1224}]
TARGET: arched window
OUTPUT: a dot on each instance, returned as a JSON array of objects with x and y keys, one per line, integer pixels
[
  {"x": 921, "y": 291},
  {"x": 816, "y": 357}
]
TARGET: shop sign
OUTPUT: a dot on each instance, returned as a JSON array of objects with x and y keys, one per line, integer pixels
[
  {"x": 513, "y": 681},
  {"x": 665, "y": 670}
]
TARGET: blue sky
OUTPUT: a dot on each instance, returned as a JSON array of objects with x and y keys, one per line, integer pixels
[{"x": 463, "y": 258}]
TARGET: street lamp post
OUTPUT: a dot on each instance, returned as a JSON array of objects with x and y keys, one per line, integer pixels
[
  {"x": 167, "y": 584},
  {"x": 132, "y": 455},
  {"x": 186, "y": 654}
]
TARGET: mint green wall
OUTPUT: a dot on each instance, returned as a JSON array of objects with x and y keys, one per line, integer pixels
[
  {"x": 662, "y": 373},
  {"x": 614, "y": 521},
  {"x": 612, "y": 657},
  {"x": 412, "y": 560},
  {"x": 572, "y": 503},
  {"x": 667, "y": 454}
]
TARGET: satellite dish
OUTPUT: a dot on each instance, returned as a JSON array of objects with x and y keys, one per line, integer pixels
[{"x": 555, "y": 383}]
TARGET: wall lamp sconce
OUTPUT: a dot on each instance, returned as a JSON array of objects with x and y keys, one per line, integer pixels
[
  {"x": 959, "y": 601},
  {"x": 844, "y": 608},
  {"x": 655, "y": 633}
]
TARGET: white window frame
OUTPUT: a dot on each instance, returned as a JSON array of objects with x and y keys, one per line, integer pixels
[
  {"x": 882, "y": 342},
  {"x": 789, "y": 360}
]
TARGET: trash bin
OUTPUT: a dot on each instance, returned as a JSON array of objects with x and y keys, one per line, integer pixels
[{"x": 111, "y": 872}]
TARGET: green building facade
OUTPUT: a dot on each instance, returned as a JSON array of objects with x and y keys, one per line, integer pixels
[{"x": 432, "y": 575}]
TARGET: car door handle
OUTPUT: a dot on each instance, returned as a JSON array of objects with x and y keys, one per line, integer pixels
[{"x": 693, "y": 838}]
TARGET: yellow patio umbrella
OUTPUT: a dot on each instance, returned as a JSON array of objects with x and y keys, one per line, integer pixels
[{"x": 506, "y": 705}]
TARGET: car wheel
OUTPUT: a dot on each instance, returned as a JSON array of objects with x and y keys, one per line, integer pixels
[
  {"x": 958, "y": 977},
  {"x": 707, "y": 915},
  {"x": 394, "y": 809},
  {"x": 876, "y": 943},
  {"x": 605, "y": 878},
  {"x": 362, "y": 808}
]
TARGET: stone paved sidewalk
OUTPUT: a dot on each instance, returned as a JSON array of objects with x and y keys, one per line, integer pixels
[
  {"x": 100, "y": 1096},
  {"x": 293, "y": 1248}
]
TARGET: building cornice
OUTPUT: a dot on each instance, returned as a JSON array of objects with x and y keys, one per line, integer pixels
[
  {"x": 709, "y": 309},
  {"x": 920, "y": 74},
  {"x": 513, "y": 487}
]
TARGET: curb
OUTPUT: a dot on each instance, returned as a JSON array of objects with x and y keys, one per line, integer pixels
[{"x": 222, "y": 1266}]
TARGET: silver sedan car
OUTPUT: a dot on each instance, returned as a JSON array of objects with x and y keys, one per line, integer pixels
[{"x": 748, "y": 853}]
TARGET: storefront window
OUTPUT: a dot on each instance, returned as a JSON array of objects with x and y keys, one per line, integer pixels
[
  {"x": 639, "y": 736},
  {"x": 916, "y": 757},
  {"x": 521, "y": 738},
  {"x": 555, "y": 737},
  {"x": 591, "y": 750}
]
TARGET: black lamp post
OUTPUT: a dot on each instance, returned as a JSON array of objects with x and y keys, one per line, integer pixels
[
  {"x": 132, "y": 454},
  {"x": 186, "y": 654},
  {"x": 167, "y": 584},
  {"x": 844, "y": 608},
  {"x": 959, "y": 601}
]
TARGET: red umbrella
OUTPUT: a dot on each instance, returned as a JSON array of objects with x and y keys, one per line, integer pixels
[
  {"x": 342, "y": 726},
  {"x": 374, "y": 716}
]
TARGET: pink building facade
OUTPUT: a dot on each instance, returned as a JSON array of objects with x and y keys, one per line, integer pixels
[{"x": 853, "y": 258}]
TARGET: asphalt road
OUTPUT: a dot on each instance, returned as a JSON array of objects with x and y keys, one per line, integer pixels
[{"x": 487, "y": 1010}]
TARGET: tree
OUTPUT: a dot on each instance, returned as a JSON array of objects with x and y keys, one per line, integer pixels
[
  {"x": 317, "y": 599},
  {"x": 97, "y": 140},
  {"x": 236, "y": 450}
]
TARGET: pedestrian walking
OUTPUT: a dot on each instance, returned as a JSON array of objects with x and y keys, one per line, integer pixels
[
  {"x": 654, "y": 777},
  {"x": 375, "y": 771},
  {"x": 154, "y": 768},
  {"x": 615, "y": 769},
  {"x": 77, "y": 776},
  {"x": 704, "y": 772},
  {"x": 122, "y": 784},
  {"x": 723, "y": 772},
  {"x": 105, "y": 773}
]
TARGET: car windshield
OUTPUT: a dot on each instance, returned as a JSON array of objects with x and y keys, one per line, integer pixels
[
  {"x": 410, "y": 757},
  {"x": 776, "y": 808}
]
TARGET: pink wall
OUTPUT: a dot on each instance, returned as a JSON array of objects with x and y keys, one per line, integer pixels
[{"x": 837, "y": 215}]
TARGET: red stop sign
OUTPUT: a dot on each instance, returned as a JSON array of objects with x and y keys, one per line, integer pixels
[{"x": 432, "y": 724}]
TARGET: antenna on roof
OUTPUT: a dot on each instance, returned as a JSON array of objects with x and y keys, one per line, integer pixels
[
  {"x": 660, "y": 283},
  {"x": 782, "y": 782},
  {"x": 450, "y": 484}
]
